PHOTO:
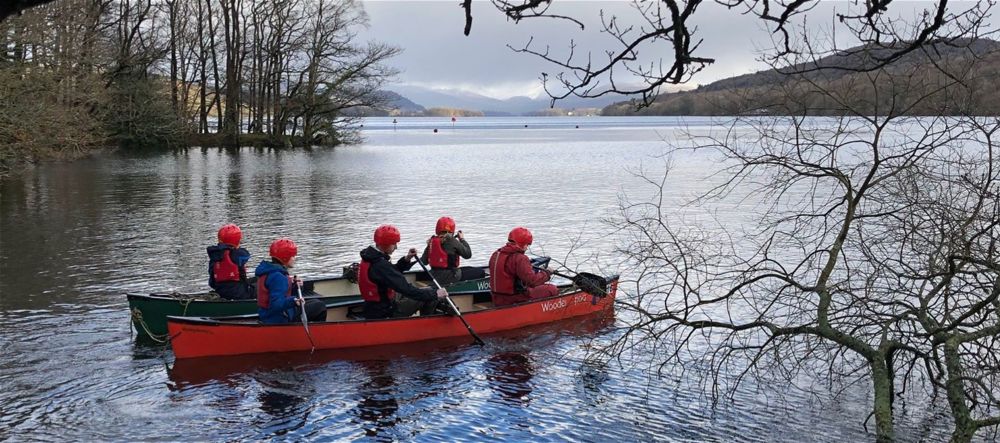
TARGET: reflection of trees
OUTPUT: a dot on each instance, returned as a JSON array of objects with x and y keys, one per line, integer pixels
[
  {"x": 378, "y": 404},
  {"x": 510, "y": 376}
]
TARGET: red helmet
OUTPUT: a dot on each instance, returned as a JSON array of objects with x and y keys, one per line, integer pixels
[
  {"x": 445, "y": 224},
  {"x": 521, "y": 236},
  {"x": 283, "y": 250},
  {"x": 230, "y": 234},
  {"x": 386, "y": 235}
]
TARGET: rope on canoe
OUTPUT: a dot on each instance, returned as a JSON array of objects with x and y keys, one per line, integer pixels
[
  {"x": 137, "y": 319},
  {"x": 186, "y": 302}
]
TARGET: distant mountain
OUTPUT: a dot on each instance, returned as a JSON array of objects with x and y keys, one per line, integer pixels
[
  {"x": 773, "y": 92},
  {"x": 434, "y": 98},
  {"x": 400, "y": 103},
  {"x": 393, "y": 104}
]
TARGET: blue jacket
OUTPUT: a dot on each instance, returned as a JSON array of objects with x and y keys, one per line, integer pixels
[{"x": 281, "y": 308}]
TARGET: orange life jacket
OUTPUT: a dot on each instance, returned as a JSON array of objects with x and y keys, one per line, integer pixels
[
  {"x": 225, "y": 269},
  {"x": 264, "y": 296},
  {"x": 502, "y": 281},
  {"x": 369, "y": 290},
  {"x": 439, "y": 259}
]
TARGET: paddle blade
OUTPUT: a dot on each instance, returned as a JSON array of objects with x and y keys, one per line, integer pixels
[{"x": 592, "y": 284}]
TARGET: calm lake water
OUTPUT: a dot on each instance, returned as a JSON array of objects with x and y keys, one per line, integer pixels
[{"x": 75, "y": 237}]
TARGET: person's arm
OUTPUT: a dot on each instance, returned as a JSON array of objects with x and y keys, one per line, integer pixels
[
  {"x": 426, "y": 253},
  {"x": 211, "y": 276},
  {"x": 527, "y": 274},
  {"x": 277, "y": 284},
  {"x": 406, "y": 262},
  {"x": 242, "y": 257},
  {"x": 459, "y": 246},
  {"x": 397, "y": 282}
]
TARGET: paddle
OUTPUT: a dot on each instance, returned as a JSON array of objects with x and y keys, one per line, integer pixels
[
  {"x": 479, "y": 341},
  {"x": 305, "y": 320},
  {"x": 589, "y": 283}
]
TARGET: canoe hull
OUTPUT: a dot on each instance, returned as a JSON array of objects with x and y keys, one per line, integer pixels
[{"x": 197, "y": 337}]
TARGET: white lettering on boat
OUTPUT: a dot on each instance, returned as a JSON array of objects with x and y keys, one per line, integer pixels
[
  {"x": 483, "y": 285},
  {"x": 553, "y": 305},
  {"x": 564, "y": 302}
]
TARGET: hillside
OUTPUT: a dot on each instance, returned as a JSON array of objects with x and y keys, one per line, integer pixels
[{"x": 912, "y": 82}]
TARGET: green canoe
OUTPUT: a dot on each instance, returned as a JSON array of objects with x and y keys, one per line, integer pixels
[{"x": 149, "y": 312}]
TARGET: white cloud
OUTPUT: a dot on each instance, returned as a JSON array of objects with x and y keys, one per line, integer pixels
[{"x": 438, "y": 55}]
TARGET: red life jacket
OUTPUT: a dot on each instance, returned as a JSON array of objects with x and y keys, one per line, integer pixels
[
  {"x": 369, "y": 290},
  {"x": 225, "y": 270},
  {"x": 264, "y": 296},
  {"x": 439, "y": 259},
  {"x": 502, "y": 281}
]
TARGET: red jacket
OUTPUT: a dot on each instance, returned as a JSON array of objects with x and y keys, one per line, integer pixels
[{"x": 511, "y": 272}]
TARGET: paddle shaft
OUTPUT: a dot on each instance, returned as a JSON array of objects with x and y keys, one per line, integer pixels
[
  {"x": 305, "y": 320},
  {"x": 479, "y": 341}
]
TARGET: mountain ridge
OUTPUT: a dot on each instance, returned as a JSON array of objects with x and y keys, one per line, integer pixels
[{"x": 759, "y": 92}]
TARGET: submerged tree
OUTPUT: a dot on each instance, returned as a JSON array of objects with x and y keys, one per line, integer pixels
[{"x": 860, "y": 248}]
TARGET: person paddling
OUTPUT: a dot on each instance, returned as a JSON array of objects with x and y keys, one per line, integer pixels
[
  {"x": 445, "y": 251},
  {"x": 383, "y": 286},
  {"x": 277, "y": 299},
  {"x": 512, "y": 278},
  {"x": 227, "y": 261}
]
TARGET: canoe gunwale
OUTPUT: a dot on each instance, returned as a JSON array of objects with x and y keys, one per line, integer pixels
[{"x": 230, "y": 320}]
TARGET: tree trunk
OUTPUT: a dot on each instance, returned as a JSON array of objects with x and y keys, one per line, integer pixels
[
  {"x": 173, "y": 56},
  {"x": 203, "y": 78},
  {"x": 882, "y": 380},
  {"x": 965, "y": 426},
  {"x": 217, "y": 98},
  {"x": 231, "y": 121}
]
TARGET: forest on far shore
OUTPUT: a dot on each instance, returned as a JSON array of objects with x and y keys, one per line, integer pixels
[{"x": 80, "y": 75}]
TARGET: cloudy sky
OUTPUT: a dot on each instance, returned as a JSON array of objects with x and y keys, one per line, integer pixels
[{"x": 437, "y": 54}]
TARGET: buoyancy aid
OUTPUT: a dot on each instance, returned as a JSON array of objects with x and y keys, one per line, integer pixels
[
  {"x": 226, "y": 270},
  {"x": 369, "y": 290},
  {"x": 264, "y": 296},
  {"x": 439, "y": 259},
  {"x": 502, "y": 281}
]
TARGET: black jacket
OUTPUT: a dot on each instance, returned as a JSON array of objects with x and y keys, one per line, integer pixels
[{"x": 387, "y": 276}]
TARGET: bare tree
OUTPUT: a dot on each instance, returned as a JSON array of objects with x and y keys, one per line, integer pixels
[
  {"x": 339, "y": 74},
  {"x": 863, "y": 249}
]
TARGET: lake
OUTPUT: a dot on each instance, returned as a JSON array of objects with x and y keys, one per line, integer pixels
[{"x": 76, "y": 237}]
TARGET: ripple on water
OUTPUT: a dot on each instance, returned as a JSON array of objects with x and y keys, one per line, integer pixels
[{"x": 90, "y": 231}]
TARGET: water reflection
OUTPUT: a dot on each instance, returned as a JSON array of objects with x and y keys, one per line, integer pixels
[
  {"x": 510, "y": 376},
  {"x": 75, "y": 237},
  {"x": 285, "y": 396},
  {"x": 378, "y": 405}
]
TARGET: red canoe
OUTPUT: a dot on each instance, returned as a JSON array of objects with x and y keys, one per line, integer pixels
[{"x": 202, "y": 337}]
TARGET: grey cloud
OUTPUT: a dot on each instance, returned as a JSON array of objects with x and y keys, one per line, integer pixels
[{"x": 436, "y": 53}]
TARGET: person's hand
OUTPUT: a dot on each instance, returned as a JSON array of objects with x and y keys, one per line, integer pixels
[
  {"x": 298, "y": 302},
  {"x": 442, "y": 293},
  {"x": 412, "y": 253},
  {"x": 460, "y": 235},
  {"x": 297, "y": 280}
]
